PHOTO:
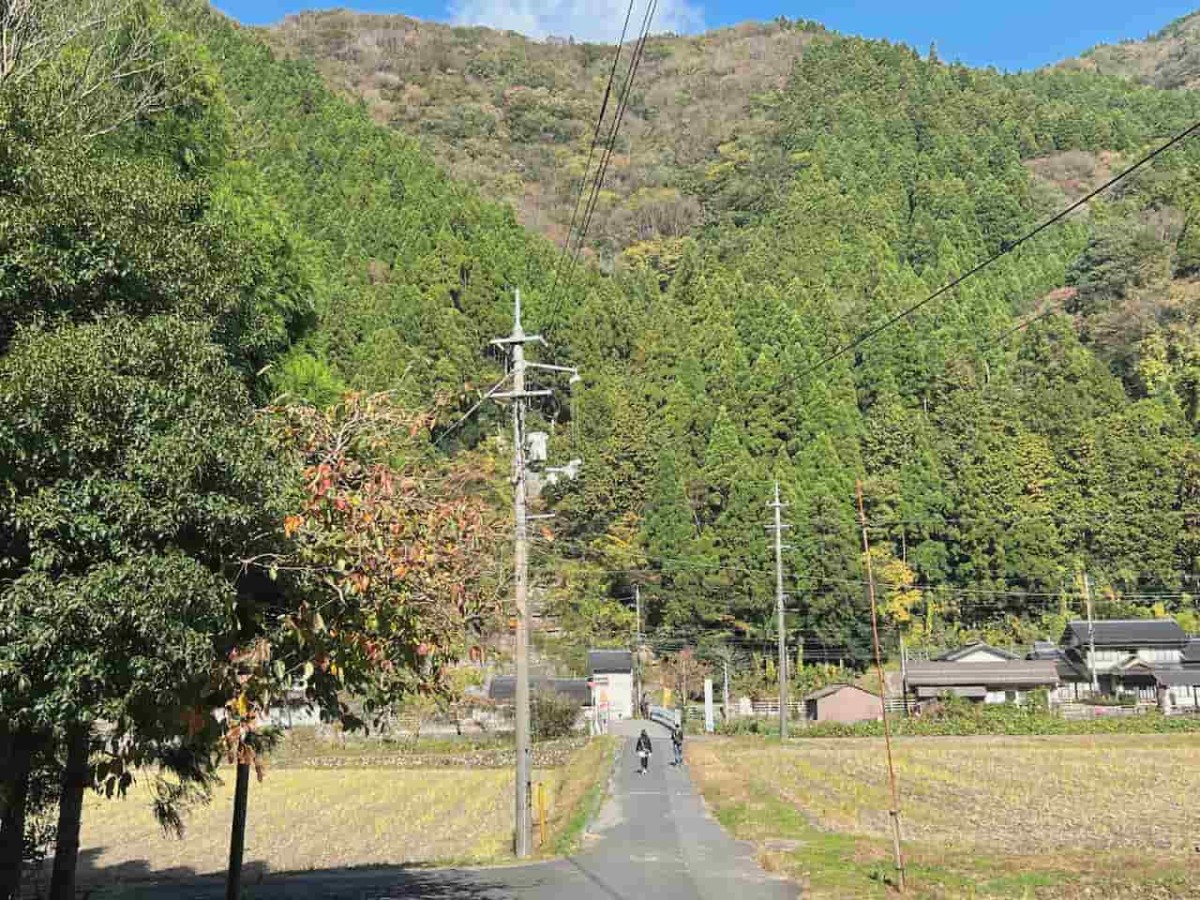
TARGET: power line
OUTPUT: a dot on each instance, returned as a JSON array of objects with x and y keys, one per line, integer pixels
[
  {"x": 1006, "y": 249},
  {"x": 470, "y": 412},
  {"x": 981, "y": 595},
  {"x": 610, "y": 145},
  {"x": 612, "y": 73}
]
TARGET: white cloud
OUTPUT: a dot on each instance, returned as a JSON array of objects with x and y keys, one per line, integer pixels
[{"x": 586, "y": 20}]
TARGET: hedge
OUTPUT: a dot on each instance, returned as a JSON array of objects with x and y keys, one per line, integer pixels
[{"x": 981, "y": 720}]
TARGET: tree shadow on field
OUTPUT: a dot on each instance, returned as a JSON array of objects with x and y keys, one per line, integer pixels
[{"x": 135, "y": 880}]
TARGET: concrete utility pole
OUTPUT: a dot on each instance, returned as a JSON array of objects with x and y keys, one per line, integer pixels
[
  {"x": 515, "y": 343},
  {"x": 521, "y": 585},
  {"x": 637, "y": 650},
  {"x": 778, "y": 528},
  {"x": 1087, "y": 596},
  {"x": 725, "y": 690}
]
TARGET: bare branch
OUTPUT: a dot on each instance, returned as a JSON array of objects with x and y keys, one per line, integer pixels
[{"x": 99, "y": 64}]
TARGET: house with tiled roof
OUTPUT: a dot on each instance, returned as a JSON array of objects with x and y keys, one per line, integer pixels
[
  {"x": 996, "y": 680},
  {"x": 1147, "y": 660}
]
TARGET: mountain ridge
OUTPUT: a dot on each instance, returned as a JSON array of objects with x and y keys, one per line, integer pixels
[
  {"x": 778, "y": 190},
  {"x": 1169, "y": 58},
  {"x": 514, "y": 115}
]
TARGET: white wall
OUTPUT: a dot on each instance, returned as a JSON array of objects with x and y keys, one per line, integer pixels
[
  {"x": 1162, "y": 657},
  {"x": 982, "y": 656},
  {"x": 1182, "y": 697},
  {"x": 1107, "y": 659},
  {"x": 615, "y": 690},
  {"x": 1006, "y": 697}
]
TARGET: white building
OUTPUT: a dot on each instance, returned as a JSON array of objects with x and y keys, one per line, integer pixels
[{"x": 610, "y": 674}]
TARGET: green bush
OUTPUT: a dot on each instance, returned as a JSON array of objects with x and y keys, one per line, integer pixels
[
  {"x": 998, "y": 719},
  {"x": 553, "y": 715}
]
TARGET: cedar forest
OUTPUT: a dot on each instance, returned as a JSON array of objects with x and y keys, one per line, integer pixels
[{"x": 247, "y": 287}]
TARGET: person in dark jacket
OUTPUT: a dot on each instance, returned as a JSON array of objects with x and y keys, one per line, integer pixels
[
  {"x": 677, "y": 744},
  {"x": 643, "y": 751}
]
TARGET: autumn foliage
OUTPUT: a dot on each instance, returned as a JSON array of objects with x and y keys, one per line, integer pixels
[{"x": 389, "y": 562}]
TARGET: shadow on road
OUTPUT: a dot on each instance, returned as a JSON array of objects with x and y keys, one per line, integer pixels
[
  {"x": 135, "y": 880},
  {"x": 609, "y": 890}
]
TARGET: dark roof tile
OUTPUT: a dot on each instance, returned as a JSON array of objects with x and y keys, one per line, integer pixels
[
  {"x": 1127, "y": 633},
  {"x": 611, "y": 661},
  {"x": 831, "y": 689},
  {"x": 1178, "y": 677},
  {"x": 1010, "y": 673},
  {"x": 503, "y": 688},
  {"x": 1191, "y": 652}
]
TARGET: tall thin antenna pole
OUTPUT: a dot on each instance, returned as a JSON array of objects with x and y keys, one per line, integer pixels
[
  {"x": 778, "y": 528},
  {"x": 887, "y": 731}
]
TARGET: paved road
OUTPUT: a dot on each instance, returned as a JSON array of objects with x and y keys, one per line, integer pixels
[{"x": 652, "y": 838}]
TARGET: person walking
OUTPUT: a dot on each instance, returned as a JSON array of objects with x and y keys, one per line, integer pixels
[
  {"x": 643, "y": 749},
  {"x": 677, "y": 744}
]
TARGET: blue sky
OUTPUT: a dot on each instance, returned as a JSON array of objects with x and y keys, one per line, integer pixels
[{"x": 1016, "y": 34}]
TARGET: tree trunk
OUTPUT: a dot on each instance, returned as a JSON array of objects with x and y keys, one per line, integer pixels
[
  {"x": 237, "y": 839},
  {"x": 14, "y": 791},
  {"x": 70, "y": 813}
]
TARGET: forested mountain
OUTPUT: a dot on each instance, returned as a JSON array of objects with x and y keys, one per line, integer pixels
[
  {"x": 1168, "y": 59},
  {"x": 799, "y": 187},
  {"x": 241, "y": 320},
  {"x": 205, "y": 247},
  {"x": 514, "y": 116},
  {"x": 999, "y": 463}
]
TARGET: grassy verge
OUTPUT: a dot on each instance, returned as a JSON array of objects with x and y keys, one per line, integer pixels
[
  {"x": 302, "y": 748},
  {"x": 580, "y": 791},
  {"x": 977, "y": 719},
  {"x": 321, "y": 817},
  {"x": 1057, "y": 818}
]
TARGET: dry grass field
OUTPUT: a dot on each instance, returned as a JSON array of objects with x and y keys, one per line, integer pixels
[
  {"x": 1056, "y": 817},
  {"x": 320, "y": 817}
]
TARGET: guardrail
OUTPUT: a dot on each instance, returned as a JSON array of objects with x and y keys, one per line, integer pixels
[{"x": 663, "y": 716}]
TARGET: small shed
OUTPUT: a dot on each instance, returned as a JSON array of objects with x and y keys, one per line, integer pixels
[
  {"x": 842, "y": 702},
  {"x": 610, "y": 673}
]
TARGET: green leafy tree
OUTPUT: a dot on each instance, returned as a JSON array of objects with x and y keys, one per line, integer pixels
[{"x": 132, "y": 471}]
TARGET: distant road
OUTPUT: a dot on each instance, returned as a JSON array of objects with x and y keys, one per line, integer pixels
[{"x": 652, "y": 839}]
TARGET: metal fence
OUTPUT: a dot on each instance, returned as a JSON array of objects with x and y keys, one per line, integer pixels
[{"x": 663, "y": 716}]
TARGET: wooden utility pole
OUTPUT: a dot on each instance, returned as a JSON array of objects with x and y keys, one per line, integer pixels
[
  {"x": 887, "y": 731},
  {"x": 778, "y": 528}
]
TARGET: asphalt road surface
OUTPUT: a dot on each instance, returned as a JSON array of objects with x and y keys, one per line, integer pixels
[{"x": 652, "y": 839}]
